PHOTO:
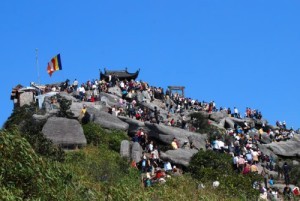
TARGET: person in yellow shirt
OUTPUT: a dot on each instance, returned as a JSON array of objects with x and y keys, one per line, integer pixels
[{"x": 174, "y": 144}]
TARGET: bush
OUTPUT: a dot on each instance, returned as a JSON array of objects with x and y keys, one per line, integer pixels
[
  {"x": 64, "y": 107},
  {"x": 210, "y": 166},
  {"x": 22, "y": 119},
  {"x": 295, "y": 175},
  {"x": 24, "y": 175},
  {"x": 200, "y": 122},
  {"x": 96, "y": 135}
]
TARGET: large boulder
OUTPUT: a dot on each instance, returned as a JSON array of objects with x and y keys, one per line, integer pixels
[
  {"x": 179, "y": 156},
  {"x": 166, "y": 134},
  {"x": 109, "y": 100},
  {"x": 115, "y": 90},
  {"x": 40, "y": 118},
  {"x": 288, "y": 148},
  {"x": 229, "y": 123},
  {"x": 134, "y": 125},
  {"x": 198, "y": 141},
  {"x": 265, "y": 138},
  {"x": 26, "y": 98},
  {"x": 136, "y": 152},
  {"x": 107, "y": 120},
  {"x": 64, "y": 132},
  {"x": 217, "y": 116},
  {"x": 265, "y": 150},
  {"x": 125, "y": 149},
  {"x": 143, "y": 96},
  {"x": 68, "y": 96},
  {"x": 76, "y": 107}
]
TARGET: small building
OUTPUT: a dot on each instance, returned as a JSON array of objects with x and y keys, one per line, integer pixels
[
  {"x": 176, "y": 89},
  {"x": 22, "y": 95},
  {"x": 120, "y": 74}
]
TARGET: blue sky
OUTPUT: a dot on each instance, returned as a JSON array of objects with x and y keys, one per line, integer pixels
[{"x": 237, "y": 53}]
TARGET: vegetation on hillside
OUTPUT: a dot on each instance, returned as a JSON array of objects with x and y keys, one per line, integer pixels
[
  {"x": 209, "y": 166},
  {"x": 32, "y": 168}
]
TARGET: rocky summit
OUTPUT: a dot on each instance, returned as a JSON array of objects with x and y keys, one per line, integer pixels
[{"x": 164, "y": 127}]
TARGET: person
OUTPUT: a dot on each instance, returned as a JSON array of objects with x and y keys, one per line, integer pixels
[
  {"x": 271, "y": 180},
  {"x": 287, "y": 193},
  {"x": 279, "y": 166},
  {"x": 75, "y": 85},
  {"x": 286, "y": 170},
  {"x": 174, "y": 144},
  {"x": 83, "y": 111}
]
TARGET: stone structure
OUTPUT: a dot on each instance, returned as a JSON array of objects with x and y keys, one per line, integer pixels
[
  {"x": 176, "y": 88},
  {"x": 120, "y": 74}
]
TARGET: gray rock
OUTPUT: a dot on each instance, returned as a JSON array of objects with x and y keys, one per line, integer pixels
[
  {"x": 134, "y": 125},
  {"x": 221, "y": 128},
  {"x": 64, "y": 132},
  {"x": 40, "y": 118},
  {"x": 265, "y": 138},
  {"x": 136, "y": 152},
  {"x": 288, "y": 148},
  {"x": 68, "y": 96},
  {"x": 109, "y": 99},
  {"x": 198, "y": 141},
  {"x": 217, "y": 116},
  {"x": 264, "y": 149},
  {"x": 222, "y": 123},
  {"x": 295, "y": 163},
  {"x": 107, "y": 120},
  {"x": 167, "y": 133},
  {"x": 179, "y": 156},
  {"x": 229, "y": 123},
  {"x": 125, "y": 149},
  {"x": 143, "y": 96},
  {"x": 26, "y": 98},
  {"x": 115, "y": 90},
  {"x": 76, "y": 107}
]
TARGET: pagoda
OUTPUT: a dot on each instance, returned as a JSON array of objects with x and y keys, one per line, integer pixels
[{"x": 120, "y": 74}]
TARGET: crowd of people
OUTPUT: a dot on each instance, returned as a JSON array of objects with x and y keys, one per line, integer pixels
[{"x": 244, "y": 149}]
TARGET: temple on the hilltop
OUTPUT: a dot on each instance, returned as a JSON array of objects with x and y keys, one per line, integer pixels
[{"x": 120, "y": 74}]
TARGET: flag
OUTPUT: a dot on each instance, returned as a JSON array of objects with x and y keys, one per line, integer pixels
[{"x": 54, "y": 65}]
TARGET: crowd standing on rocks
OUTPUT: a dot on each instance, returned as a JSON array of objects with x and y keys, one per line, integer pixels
[{"x": 152, "y": 115}]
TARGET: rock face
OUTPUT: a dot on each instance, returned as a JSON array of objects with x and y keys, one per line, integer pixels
[
  {"x": 107, "y": 120},
  {"x": 26, "y": 98},
  {"x": 136, "y": 152},
  {"x": 115, "y": 90},
  {"x": 265, "y": 138},
  {"x": 179, "y": 156},
  {"x": 264, "y": 149},
  {"x": 125, "y": 149},
  {"x": 143, "y": 96},
  {"x": 288, "y": 148},
  {"x": 217, "y": 116},
  {"x": 76, "y": 107},
  {"x": 134, "y": 125},
  {"x": 64, "y": 132},
  {"x": 40, "y": 118},
  {"x": 109, "y": 99},
  {"x": 167, "y": 133}
]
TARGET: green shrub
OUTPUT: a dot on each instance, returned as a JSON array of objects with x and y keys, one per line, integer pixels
[
  {"x": 96, "y": 135},
  {"x": 64, "y": 107},
  {"x": 295, "y": 175},
  {"x": 24, "y": 174},
  {"x": 22, "y": 119},
  {"x": 209, "y": 166}
]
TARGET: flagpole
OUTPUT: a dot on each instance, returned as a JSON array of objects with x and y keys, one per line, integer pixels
[{"x": 37, "y": 65}]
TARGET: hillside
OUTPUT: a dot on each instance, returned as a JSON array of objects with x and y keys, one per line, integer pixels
[{"x": 124, "y": 140}]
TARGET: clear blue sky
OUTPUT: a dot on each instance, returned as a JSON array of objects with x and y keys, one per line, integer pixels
[{"x": 237, "y": 53}]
